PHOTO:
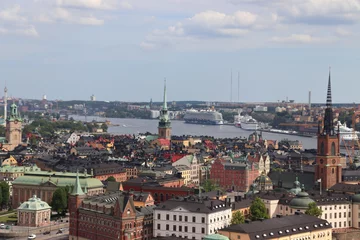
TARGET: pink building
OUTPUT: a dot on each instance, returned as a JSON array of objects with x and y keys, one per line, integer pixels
[{"x": 34, "y": 213}]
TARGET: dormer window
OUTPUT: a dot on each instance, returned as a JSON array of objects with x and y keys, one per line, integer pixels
[
  {"x": 280, "y": 232},
  {"x": 287, "y": 230}
]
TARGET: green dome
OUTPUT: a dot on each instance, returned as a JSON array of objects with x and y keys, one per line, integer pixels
[
  {"x": 302, "y": 201},
  {"x": 356, "y": 198},
  {"x": 34, "y": 203},
  {"x": 215, "y": 237},
  {"x": 263, "y": 180}
]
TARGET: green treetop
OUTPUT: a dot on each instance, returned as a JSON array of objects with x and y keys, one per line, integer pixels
[
  {"x": 237, "y": 218},
  {"x": 313, "y": 210},
  {"x": 258, "y": 210}
]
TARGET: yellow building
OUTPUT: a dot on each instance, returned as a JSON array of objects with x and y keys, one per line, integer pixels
[
  {"x": 185, "y": 173},
  {"x": 11, "y": 161},
  {"x": 294, "y": 227}
]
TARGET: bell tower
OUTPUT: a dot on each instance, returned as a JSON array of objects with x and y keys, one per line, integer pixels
[
  {"x": 13, "y": 128},
  {"x": 328, "y": 169},
  {"x": 164, "y": 128}
]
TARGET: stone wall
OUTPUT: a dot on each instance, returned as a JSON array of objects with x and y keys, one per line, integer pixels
[{"x": 353, "y": 235}]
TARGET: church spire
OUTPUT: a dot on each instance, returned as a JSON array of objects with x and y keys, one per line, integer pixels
[
  {"x": 77, "y": 188},
  {"x": 164, "y": 101},
  {"x": 328, "y": 97},
  {"x": 328, "y": 118}
]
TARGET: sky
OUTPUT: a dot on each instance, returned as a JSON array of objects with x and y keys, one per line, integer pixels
[{"x": 121, "y": 50}]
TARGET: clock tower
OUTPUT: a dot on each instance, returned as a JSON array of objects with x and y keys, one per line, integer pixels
[{"x": 328, "y": 169}]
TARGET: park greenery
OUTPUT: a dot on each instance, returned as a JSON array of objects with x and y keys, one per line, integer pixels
[
  {"x": 46, "y": 128},
  {"x": 209, "y": 185},
  {"x": 123, "y": 112},
  {"x": 4, "y": 195},
  {"x": 59, "y": 202},
  {"x": 237, "y": 218},
  {"x": 111, "y": 179},
  {"x": 258, "y": 210},
  {"x": 313, "y": 210}
]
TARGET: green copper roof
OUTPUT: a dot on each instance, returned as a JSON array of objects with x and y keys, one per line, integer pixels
[
  {"x": 215, "y": 237},
  {"x": 77, "y": 187},
  {"x": 34, "y": 203},
  {"x": 14, "y": 114},
  {"x": 14, "y": 169},
  {"x": 58, "y": 179}
]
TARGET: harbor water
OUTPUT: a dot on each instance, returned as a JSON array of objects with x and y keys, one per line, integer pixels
[{"x": 134, "y": 126}]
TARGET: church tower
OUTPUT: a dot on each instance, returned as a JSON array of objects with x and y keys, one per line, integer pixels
[
  {"x": 164, "y": 128},
  {"x": 328, "y": 169},
  {"x": 74, "y": 201},
  {"x": 13, "y": 128}
]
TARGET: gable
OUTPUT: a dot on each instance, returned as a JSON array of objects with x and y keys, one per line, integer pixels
[{"x": 180, "y": 209}]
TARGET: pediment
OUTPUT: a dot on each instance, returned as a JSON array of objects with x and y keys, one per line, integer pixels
[
  {"x": 180, "y": 209},
  {"x": 48, "y": 184}
]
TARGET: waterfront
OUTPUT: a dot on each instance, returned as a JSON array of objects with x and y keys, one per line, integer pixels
[{"x": 135, "y": 126}]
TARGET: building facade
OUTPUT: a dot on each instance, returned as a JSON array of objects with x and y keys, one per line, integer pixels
[
  {"x": 43, "y": 184},
  {"x": 13, "y": 129},
  {"x": 108, "y": 216},
  {"x": 293, "y": 227},
  {"x": 234, "y": 176},
  {"x": 193, "y": 163},
  {"x": 190, "y": 217},
  {"x": 33, "y": 213}
]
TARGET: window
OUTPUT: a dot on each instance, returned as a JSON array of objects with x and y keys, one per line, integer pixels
[
  {"x": 186, "y": 218},
  {"x": 344, "y": 223},
  {"x": 194, "y": 219},
  {"x": 180, "y": 228},
  {"x": 333, "y": 170},
  {"x": 158, "y": 226},
  {"x": 186, "y": 229},
  {"x": 167, "y": 227},
  {"x": 333, "y": 149},
  {"x": 202, "y": 220},
  {"x": 322, "y": 149},
  {"x": 167, "y": 217},
  {"x": 335, "y": 215},
  {"x": 174, "y": 217},
  {"x": 339, "y": 224},
  {"x": 193, "y": 229},
  {"x": 349, "y": 214},
  {"x": 159, "y": 216},
  {"x": 335, "y": 224},
  {"x": 180, "y": 218},
  {"x": 174, "y": 228},
  {"x": 325, "y": 215},
  {"x": 330, "y": 215},
  {"x": 202, "y": 230},
  {"x": 339, "y": 214}
]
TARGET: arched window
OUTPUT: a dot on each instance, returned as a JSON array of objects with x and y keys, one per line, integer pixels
[
  {"x": 155, "y": 196},
  {"x": 161, "y": 197},
  {"x": 322, "y": 148},
  {"x": 333, "y": 152},
  {"x": 332, "y": 170}
]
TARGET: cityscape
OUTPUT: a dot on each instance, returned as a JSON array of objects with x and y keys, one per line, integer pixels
[{"x": 128, "y": 120}]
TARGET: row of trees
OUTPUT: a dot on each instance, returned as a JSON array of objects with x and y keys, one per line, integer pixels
[{"x": 4, "y": 194}]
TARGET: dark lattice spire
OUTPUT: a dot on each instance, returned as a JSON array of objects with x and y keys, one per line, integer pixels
[
  {"x": 328, "y": 97},
  {"x": 328, "y": 119}
]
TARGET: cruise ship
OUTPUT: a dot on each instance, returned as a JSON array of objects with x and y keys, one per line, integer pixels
[
  {"x": 347, "y": 135},
  {"x": 206, "y": 117},
  {"x": 246, "y": 122}
]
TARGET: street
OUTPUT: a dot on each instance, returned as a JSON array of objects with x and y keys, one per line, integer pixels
[{"x": 53, "y": 235}]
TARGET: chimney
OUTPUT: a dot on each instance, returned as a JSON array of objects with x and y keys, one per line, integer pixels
[
  {"x": 261, "y": 219},
  {"x": 297, "y": 213},
  {"x": 247, "y": 221},
  {"x": 239, "y": 198},
  {"x": 278, "y": 215},
  {"x": 212, "y": 205},
  {"x": 229, "y": 200},
  {"x": 218, "y": 193}
]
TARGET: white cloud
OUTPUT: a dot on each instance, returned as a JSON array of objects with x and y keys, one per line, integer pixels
[
  {"x": 28, "y": 31},
  {"x": 342, "y": 32},
  {"x": 12, "y": 14},
  {"x": 94, "y": 4},
  {"x": 210, "y": 25},
  {"x": 297, "y": 38},
  {"x": 66, "y": 16},
  {"x": 146, "y": 45}
]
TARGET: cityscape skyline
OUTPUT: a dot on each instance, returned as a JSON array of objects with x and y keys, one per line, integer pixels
[{"x": 122, "y": 50}]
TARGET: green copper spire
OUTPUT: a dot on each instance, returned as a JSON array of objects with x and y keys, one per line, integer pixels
[
  {"x": 77, "y": 188},
  {"x": 164, "y": 103}
]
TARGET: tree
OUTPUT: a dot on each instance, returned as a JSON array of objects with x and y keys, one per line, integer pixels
[
  {"x": 237, "y": 218},
  {"x": 111, "y": 179},
  {"x": 104, "y": 127},
  {"x": 5, "y": 193},
  {"x": 258, "y": 210},
  {"x": 209, "y": 186},
  {"x": 313, "y": 210},
  {"x": 59, "y": 202}
]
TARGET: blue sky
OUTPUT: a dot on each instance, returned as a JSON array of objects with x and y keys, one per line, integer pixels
[{"x": 122, "y": 50}]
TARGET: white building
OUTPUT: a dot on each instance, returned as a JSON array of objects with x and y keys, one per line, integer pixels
[
  {"x": 154, "y": 114},
  {"x": 192, "y": 162},
  {"x": 73, "y": 139},
  {"x": 260, "y": 109},
  {"x": 190, "y": 217}
]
